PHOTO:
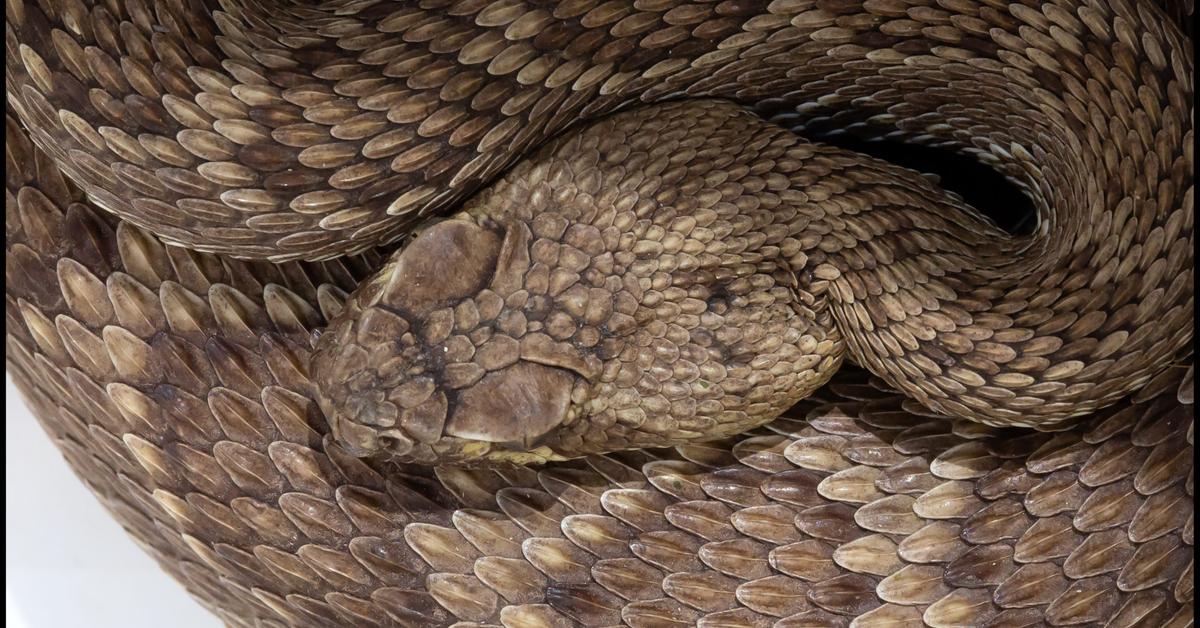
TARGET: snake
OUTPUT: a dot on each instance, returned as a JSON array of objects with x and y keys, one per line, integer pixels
[{"x": 500, "y": 312}]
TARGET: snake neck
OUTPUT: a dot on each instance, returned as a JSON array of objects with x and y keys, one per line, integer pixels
[{"x": 1027, "y": 331}]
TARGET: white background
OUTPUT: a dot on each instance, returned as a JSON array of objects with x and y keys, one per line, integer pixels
[{"x": 67, "y": 563}]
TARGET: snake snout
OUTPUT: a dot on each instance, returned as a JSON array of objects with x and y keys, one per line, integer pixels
[
  {"x": 370, "y": 373},
  {"x": 440, "y": 357}
]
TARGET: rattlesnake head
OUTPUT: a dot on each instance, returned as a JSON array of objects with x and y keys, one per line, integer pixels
[
  {"x": 435, "y": 351},
  {"x": 586, "y": 303}
]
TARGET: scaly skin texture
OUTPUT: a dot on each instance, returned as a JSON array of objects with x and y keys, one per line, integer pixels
[
  {"x": 688, "y": 271},
  {"x": 175, "y": 383},
  {"x": 185, "y": 390},
  {"x": 328, "y": 130},
  {"x": 647, "y": 281}
]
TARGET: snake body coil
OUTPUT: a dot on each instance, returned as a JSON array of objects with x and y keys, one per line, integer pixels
[{"x": 657, "y": 276}]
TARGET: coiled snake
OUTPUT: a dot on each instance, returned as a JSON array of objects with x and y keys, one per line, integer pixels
[{"x": 670, "y": 272}]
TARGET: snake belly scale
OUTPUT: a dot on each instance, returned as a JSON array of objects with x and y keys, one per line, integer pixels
[{"x": 648, "y": 290}]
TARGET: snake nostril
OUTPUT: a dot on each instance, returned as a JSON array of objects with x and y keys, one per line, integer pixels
[{"x": 395, "y": 443}]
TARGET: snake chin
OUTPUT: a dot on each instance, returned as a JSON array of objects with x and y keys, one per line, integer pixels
[{"x": 437, "y": 363}]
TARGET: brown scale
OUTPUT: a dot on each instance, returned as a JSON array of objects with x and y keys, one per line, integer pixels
[{"x": 179, "y": 384}]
